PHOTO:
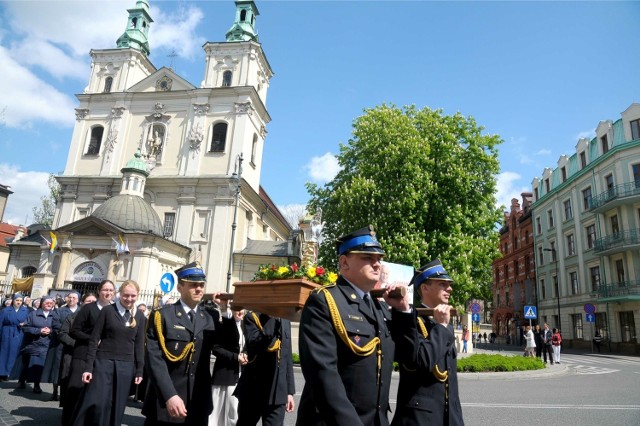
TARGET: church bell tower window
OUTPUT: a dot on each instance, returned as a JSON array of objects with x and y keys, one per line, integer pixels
[
  {"x": 95, "y": 141},
  {"x": 108, "y": 82},
  {"x": 219, "y": 137},
  {"x": 226, "y": 78}
]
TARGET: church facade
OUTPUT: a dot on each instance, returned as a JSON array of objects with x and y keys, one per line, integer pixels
[{"x": 161, "y": 172}]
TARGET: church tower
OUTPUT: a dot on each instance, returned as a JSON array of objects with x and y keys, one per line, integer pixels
[{"x": 137, "y": 32}]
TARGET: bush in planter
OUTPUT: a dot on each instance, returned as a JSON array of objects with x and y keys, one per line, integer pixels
[{"x": 482, "y": 363}]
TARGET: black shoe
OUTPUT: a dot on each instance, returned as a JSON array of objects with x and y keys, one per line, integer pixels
[
  {"x": 22, "y": 385},
  {"x": 37, "y": 390},
  {"x": 54, "y": 397}
]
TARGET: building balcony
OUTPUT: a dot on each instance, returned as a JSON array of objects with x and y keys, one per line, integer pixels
[
  {"x": 623, "y": 290},
  {"x": 618, "y": 242},
  {"x": 620, "y": 194}
]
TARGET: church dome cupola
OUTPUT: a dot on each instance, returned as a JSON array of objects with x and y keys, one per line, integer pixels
[
  {"x": 136, "y": 35},
  {"x": 134, "y": 176},
  {"x": 243, "y": 29}
]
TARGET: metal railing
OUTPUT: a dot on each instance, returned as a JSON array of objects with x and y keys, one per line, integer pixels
[
  {"x": 622, "y": 288},
  {"x": 619, "y": 239},
  {"x": 617, "y": 191}
]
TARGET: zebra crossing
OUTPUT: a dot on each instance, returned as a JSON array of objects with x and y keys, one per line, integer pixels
[{"x": 598, "y": 363}]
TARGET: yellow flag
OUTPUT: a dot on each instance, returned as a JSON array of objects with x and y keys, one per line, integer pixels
[{"x": 54, "y": 242}]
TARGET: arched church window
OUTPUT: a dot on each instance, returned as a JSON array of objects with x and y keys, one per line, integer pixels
[
  {"x": 254, "y": 146},
  {"x": 28, "y": 271},
  {"x": 108, "y": 82},
  {"x": 243, "y": 15},
  {"x": 219, "y": 137},
  {"x": 144, "y": 24},
  {"x": 134, "y": 22},
  {"x": 95, "y": 141},
  {"x": 226, "y": 78}
]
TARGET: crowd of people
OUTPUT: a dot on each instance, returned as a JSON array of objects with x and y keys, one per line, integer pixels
[{"x": 100, "y": 350}]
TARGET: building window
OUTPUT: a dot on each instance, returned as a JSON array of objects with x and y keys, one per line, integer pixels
[
  {"x": 550, "y": 218},
  {"x": 568, "y": 214},
  {"x": 538, "y": 226},
  {"x": 95, "y": 141},
  {"x": 506, "y": 298},
  {"x": 535, "y": 193},
  {"x": 254, "y": 147},
  {"x": 541, "y": 256},
  {"x": 28, "y": 271},
  {"x": 226, "y": 78},
  {"x": 243, "y": 15},
  {"x": 563, "y": 171},
  {"x": 506, "y": 272},
  {"x": 107, "y": 84},
  {"x": 169, "y": 222},
  {"x": 627, "y": 327},
  {"x": 620, "y": 271},
  {"x": 594, "y": 272},
  {"x": 526, "y": 265},
  {"x": 586, "y": 198},
  {"x": 571, "y": 248},
  {"x": 635, "y": 129},
  {"x": 615, "y": 228},
  {"x": 583, "y": 160},
  {"x": 554, "y": 255},
  {"x": 608, "y": 180},
  {"x": 577, "y": 326},
  {"x": 591, "y": 236},
  {"x": 219, "y": 137},
  {"x": 547, "y": 186},
  {"x": 516, "y": 269},
  {"x": 601, "y": 324},
  {"x": 543, "y": 290},
  {"x": 556, "y": 289},
  {"x": 636, "y": 174},
  {"x": 573, "y": 277},
  {"x": 604, "y": 143}
]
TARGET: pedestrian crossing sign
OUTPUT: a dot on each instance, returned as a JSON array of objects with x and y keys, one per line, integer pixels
[{"x": 530, "y": 312}]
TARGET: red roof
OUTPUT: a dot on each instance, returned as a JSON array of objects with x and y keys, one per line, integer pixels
[{"x": 8, "y": 231}]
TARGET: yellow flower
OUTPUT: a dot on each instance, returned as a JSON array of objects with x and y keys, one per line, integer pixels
[
  {"x": 333, "y": 277},
  {"x": 311, "y": 272},
  {"x": 282, "y": 270}
]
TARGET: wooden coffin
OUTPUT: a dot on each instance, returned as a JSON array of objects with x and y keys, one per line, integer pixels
[{"x": 278, "y": 298}]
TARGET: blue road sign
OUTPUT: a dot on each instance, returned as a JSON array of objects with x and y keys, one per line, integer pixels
[
  {"x": 475, "y": 317},
  {"x": 590, "y": 317},
  {"x": 167, "y": 282},
  {"x": 590, "y": 308},
  {"x": 475, "y": 308},
  {"x": 530, "y": 312}
]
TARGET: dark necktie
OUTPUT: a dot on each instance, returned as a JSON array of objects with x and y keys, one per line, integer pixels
[
  {"x": 127, "y": 316},
  {"x": 191, "y": 316},
  {"x": 367, "y": 301}
]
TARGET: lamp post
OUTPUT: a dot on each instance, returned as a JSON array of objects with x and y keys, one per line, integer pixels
[
  {"x": 236, "y": 177},
  {"x": 557, "y": 283}
]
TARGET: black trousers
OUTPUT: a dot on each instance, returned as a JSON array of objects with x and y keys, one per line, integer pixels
[
  {"x": 547, "y": 349},
  {"x": 105, "y": 398},
  {"x": 250, "y": 412}
]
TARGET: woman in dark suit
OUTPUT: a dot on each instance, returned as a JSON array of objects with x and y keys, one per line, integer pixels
[
  {"x": 115, "y": 357},
  {"x": 230, "y": 359},
  {"x": 81, "y": 332}
]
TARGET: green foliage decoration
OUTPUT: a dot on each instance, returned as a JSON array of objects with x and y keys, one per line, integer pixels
[{"x": 482, "y": 363}]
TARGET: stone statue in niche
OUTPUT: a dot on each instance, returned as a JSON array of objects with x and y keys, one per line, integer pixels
[{"x": 155, "y": 141}]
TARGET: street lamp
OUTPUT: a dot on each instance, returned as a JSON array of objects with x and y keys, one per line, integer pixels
[
  {"x": 236, "y": 177},
  {"x": 557, "y": 283}
]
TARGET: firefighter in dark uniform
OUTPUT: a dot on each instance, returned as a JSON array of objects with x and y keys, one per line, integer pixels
[
  {"x": 428, "y": 388},
  {"x": 266, "y": 387},
  {"x": 346, "y": 347},
  {"x": 178, "y": 354}
]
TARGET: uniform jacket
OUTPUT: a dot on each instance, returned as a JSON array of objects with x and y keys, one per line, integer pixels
[
  {"x": 226, "y": 348},
  {"x": 82, "y": 328},
  {"x": 341, "y": 387},
  {"x": 268, "y": 377},
  {"x": 190, "y": 378},
  {"x": 421, "y": 396}
]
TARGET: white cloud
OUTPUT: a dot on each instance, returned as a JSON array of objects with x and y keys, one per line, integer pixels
[
  {"x": 508, "y": 188},
  {"x": 323, "y": 169},
  {"x": 27, "y": 187},
  {"x": 589, "y": 134},
  {"x": 27, "y": 98},
  {"x": 544, "y": 152},
  {"x": 177, "y": 31}
]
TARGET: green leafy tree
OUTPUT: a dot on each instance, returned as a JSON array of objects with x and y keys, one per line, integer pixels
[
  {"x": 44, "y": 213},
  {"x": 427, "y": 183}
]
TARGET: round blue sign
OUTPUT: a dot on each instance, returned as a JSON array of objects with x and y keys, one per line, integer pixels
[
  {"x": 475, "y": 308},
  {"x": 167, "y": 282},
  {"x": 590, "y": 308}
]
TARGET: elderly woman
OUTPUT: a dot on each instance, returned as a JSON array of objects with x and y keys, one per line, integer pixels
[
  {"x": 37, "y": 337},
  {"x": 12, "y": 319}
]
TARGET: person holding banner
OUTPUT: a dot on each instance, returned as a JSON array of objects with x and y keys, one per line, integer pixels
[{"x": 428, "y": 388}]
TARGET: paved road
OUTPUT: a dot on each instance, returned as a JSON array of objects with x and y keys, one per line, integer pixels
[{"x": 585, "y": 389}]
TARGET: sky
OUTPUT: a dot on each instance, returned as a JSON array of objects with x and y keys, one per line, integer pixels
[{"x": 539, "y": 74}]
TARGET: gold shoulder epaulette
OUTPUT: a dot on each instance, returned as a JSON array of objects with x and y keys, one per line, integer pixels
[{"x": 319, "y": 289}]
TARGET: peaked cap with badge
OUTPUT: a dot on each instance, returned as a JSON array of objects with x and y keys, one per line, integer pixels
[
  {"x": 361, "y": 241},
  {"x": 431, "y": 271},
  {"x": 192, "y": 272}
]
